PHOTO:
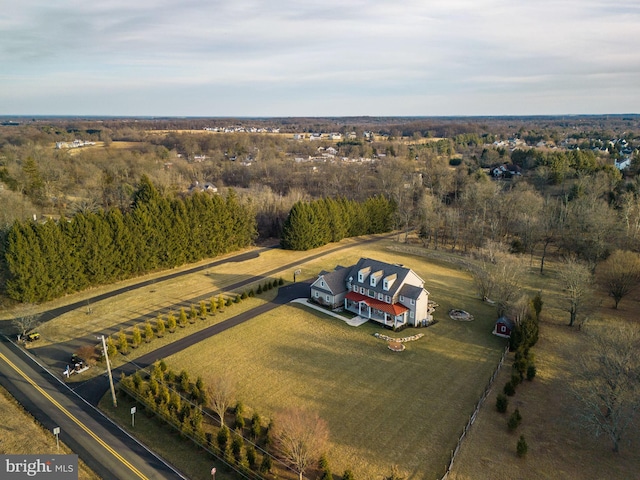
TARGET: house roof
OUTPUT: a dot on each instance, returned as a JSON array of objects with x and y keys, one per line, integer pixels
[
  {"x": 392, "y": 309},
  {"x": 335, "y": 280},
  {"x": 410, "y": 291},
  {"x": 507, "y": 321},
  {"x": 369, "y": 265}
]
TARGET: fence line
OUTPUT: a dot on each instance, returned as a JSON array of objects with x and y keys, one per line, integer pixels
[{"x": 473, "y": 416}]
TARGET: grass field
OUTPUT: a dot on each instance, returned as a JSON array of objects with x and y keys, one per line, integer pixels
[
  {"x": 558, "y": 447},
  {"x": 21, "y": 434},
  {"x": 383, "y": 408}
]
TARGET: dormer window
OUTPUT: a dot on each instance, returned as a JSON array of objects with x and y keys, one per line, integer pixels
[
  {"x": 388, "y": 281},
  {"x": 375, "y": 277},
  {"x": 363, "y": 274}
]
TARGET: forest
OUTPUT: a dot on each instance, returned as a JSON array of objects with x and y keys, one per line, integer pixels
[{"x": 538, "y": 184}]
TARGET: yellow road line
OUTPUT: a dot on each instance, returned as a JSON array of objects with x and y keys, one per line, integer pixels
[{"x": 75, "y": 420}]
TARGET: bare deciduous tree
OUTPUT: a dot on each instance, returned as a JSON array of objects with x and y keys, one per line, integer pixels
[
  {"x": 608, "y": 387},
  {"x": 221, "y": 394},
  {"x": 619, "y": 274},
  {"x": 27, "y": 319},
  {"x": 577, "y": 281},
  {"x": 301, "y": 437}
]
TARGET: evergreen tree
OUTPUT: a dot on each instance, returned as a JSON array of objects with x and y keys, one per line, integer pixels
[
  {"x": 160, "y": 327},
  {"x": 182, "y": 318},
  {"x": 148, "y": 332},
  {"x": 25, "y": 263},
  {"x": 136, "y": 337},
  {"x": 213, "y": 305},
  {"x": 171, "y": 322},
  {"x": 123, "y": 342}
]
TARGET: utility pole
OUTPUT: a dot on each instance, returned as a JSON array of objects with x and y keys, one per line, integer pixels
[{"x": 106, "y": 357}]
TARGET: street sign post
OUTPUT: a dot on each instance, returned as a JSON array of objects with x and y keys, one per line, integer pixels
[
  {"x": 133, "y": 416},
  {"x": 56, "y": 432}
]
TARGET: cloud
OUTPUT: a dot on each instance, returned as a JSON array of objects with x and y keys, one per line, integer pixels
[{"x": 403, "y": 53}]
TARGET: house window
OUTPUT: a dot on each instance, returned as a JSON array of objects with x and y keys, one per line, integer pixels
[
  {"x": 371, "y": 293},
  {"x": 380, "y": 296},
  {"x": 410, "y": 313},
  {"x": 362, "y": 290},
  {"x": 322, "y": 283},
  {"x": 401, "y": 298},
  {"x": 413, "y": 302},
  {"x": 372, "y": 281},
  {"x": 317, "y": 294},
  {"x": 354, "y": 288},
  {"x": 360, "y": 277},
  {"x": 328, "y": 298}
]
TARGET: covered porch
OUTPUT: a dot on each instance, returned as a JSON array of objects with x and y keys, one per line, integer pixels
[{"x": 392, "y": 316}]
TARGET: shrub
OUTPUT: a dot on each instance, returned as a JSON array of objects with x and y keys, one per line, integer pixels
[
  {"x": 171, "y": 322},
  {"x": 193, "y": 313},
  {"x": 237, "y": 299},
  {"x": 213, "y": 305},
  {"x": 259, "y": 291},
  {"x": 522, "y": 446},
  {"x": 136, "y": 337},
  {"x": 223, "y": 438},
  {"x": 236, "y": 448},
  {"x": 256, "y": 427},
  {"x": 184, "y": 381},
  {"x": 531, "y": 372},
  {"x": 251, "y": 457},
  {"x": 280, "y": 281},
  {"x": 220, "y": 302},
  {"x": 502, "y": 402},
  {"x": 348, "y": 475},
  {"x": 514, "y": 420},
  {"x": 244, "y": 295},
  {"x": 252, "y": 293},
  {"x": 509, "y": 389},
  {"x": 123, "y": 343},
  {"x": 229, "y": 302},
  {"x": 516, "y": 379},
  {"x": 148, "y": 332},
  {"x": 160, "y": 327},
  {"x": 203, "y": 309},
  {"x": 266, "y": 464},
  {"x": 182, "y": 318},
  {"x": 111, "y": 347}
]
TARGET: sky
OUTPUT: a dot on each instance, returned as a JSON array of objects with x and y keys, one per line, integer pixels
[{"x": 319, "y": 58}]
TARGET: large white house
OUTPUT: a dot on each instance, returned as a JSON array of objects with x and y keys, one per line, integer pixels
[{"x": 389, "y": 294}]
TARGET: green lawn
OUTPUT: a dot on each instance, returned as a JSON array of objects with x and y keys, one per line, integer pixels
[{"x": 383, "y": 408}]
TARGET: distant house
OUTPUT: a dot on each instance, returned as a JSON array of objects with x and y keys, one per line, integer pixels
[
  {"x": 385, "y": 293},
  {"x": 503, "y": 327}
]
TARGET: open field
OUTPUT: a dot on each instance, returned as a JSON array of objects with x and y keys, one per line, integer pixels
[
  {"x": 383, "y": 408},
  {"x": 21, "y": 434}
]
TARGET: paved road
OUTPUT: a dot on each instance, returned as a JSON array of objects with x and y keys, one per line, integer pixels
[{"x": 104, "y": 447}]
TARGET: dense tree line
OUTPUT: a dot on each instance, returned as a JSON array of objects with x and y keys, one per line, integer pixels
[
  {"x": 48, "y": 260},
  {"x": 316, "y": 223}
]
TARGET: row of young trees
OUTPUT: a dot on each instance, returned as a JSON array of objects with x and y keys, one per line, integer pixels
[
  {"x": 316, "y": 223},
  {"x": 244, "y": 444},
  {"x": 47, "y": 260}
]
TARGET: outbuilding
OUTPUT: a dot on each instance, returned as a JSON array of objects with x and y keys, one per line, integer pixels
[{"x": 503, "y": 327}]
